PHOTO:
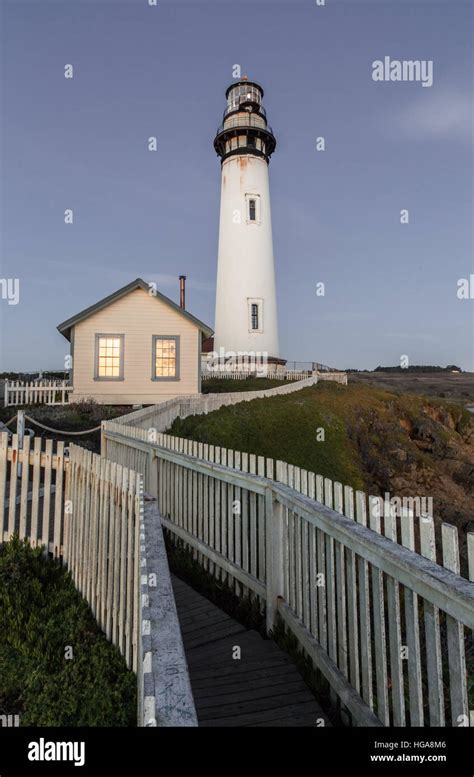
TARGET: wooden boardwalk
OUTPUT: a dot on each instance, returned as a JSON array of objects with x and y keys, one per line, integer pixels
[{"x": 262, "y": 688}]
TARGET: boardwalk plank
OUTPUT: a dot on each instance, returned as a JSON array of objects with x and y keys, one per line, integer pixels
[
  {"x": 232, "y": 692},
  {"x": 256, "y": 675},
  {"x": 222, "y": 666},
  {"x": 266, "y": 717},
  {"x": 218, "y": 633},
  {"x": 239, "y": 705},
  {"x": 260, "y": 687}
]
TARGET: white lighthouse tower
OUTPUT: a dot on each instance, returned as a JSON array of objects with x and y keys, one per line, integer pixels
[{"x": 246, "y": 312}]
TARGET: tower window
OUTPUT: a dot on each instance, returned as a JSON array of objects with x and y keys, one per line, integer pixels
[
  {"x": 254, "y": 315},
  {"x": 253, "y": 208},
  {"x": 251, "y": 141}
]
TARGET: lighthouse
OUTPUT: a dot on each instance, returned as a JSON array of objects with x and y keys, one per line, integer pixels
[{"x": 246, "y": 310}]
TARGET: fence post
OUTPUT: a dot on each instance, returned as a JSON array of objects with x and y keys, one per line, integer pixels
[
  {"x": 103, "y": 440},
  {"x": 152, "y": 485},
  {"x": 274, "y": 557},
  {"x": 20, "y": 430}
]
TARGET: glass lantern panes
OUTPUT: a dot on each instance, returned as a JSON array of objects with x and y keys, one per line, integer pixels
[{"x": 243, "y": 93}]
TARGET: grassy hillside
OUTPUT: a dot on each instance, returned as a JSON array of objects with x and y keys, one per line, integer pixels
[
  {"x": 56, "y": 666},
  {"x": 219, "y": 385},
  {"x": 375, "y": 440},
  {"x": 284, "y": 427}
]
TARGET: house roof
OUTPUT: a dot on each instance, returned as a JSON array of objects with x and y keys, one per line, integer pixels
[{"x": 138, "y": 283}]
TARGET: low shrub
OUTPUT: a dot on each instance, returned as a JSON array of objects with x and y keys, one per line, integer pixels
[{"x": 43, "y": 620}]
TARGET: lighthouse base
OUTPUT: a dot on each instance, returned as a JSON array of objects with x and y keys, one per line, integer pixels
[{"x": 220, "y": 362}]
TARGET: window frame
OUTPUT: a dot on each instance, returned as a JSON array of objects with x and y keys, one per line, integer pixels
[
  {"x": 167, "y": 378},
  {"x": 254, "y": 314},
  {"x": 113, "y": 378},
  {"x": 249, "y": 196},
  {"x": 259, "y": 302}
]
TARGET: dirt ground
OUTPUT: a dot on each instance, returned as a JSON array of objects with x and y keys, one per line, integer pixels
[{"x": 458, "y": 387}]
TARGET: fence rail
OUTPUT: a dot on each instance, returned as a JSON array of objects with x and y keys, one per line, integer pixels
[
  {"x": 160, "y": 417},
  {"x": 384, "y": 624},
  {"x": 240, "y": 375},
  {"x": 46, "y": 392},
  {"x": 132, "y": 446}
]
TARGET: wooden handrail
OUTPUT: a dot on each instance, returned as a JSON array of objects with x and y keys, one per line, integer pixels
[{"x": 441, "y": 587}]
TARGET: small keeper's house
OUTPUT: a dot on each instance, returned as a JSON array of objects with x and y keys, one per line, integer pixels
[{"x": 135, "y": 346}]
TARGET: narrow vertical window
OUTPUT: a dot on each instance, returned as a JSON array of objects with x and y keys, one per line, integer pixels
[
  {"x": 253, "y": 207},
  {"x": 254, "y": 315}
]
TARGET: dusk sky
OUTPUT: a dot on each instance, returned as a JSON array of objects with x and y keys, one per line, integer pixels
[{"x": 141, "y": 71}]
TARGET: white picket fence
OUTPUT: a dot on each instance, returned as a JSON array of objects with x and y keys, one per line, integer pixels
[
  {"x": 102, "y": 544},
  {"x": 338, "y": 377},
  {"x": 161, "y": 416},
  {"x": 221, "y": 374},
  {"x": 86, "y": 511},
  {"x": 32, "y": 491},
  {"x": 239, "y": 375},
  {"x": 45, "y": 392},
  {"x": 56, "y": 392},
  {"x": 89, "y": 513},
  {"x": 345, "y": 580},
  {"x": 116, "y": 446}
]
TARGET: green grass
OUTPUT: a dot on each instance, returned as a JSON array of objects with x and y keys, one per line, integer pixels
[
  {"x": 41, "y": 615},
  {"x": 223, "y": 385},
  {"x": 365, "y": 430},
  {"x": 285, "y": 427}
]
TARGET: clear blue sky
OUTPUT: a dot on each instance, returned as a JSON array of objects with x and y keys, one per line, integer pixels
[{"x": 143, "y": 71}]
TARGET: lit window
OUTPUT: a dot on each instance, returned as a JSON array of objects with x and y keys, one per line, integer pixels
[
  {"x": 165, "y": 358},
  {"x": 252, "y": 210},
  {"x": 109, "y": 357},
  {"x": 254, "y": 315}
]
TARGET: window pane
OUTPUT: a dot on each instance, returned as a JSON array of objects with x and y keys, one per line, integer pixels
[
  {"x": 165, "y": 358},
  {"x": 254, "y": 316},
  {"x": 109, "y": 357}
]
